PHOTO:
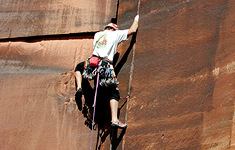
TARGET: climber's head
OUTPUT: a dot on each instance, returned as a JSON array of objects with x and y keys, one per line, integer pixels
[{"x": 111, "y": 26}]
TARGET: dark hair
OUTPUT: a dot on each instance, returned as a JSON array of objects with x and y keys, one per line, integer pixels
[{"x": 108, "y": 27}]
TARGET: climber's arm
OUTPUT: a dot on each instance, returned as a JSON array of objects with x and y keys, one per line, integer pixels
[{"x": 134, "y": 26}]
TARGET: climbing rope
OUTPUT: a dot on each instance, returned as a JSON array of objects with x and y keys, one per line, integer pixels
[
  {"x": 130, "y": 82},
  {"x": 94, "y": 105}
]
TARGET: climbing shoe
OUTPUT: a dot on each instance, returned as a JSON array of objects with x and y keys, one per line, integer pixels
[
  {"x": 119, "y": 124},
  {"x": 78, "y": 98}
]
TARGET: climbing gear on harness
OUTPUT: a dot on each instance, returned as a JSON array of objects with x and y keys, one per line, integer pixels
[
  {"x": 119, "y": 124},
  {"x": 89, "y": 70},
  {"x": 106, "y": 70},
  {"x": 107, "y": 74}
]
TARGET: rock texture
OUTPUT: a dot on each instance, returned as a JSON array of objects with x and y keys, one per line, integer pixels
[
  {"x": 38, "y": 110},
  {"x": 182, "y": 86},
  {"x": 41, "y": 17},
  {"x": 183, "y": 82}
]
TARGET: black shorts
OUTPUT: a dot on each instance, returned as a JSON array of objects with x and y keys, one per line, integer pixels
[
  {"x": 80, "y": 67},
  {"x": 112, "y": 92}
]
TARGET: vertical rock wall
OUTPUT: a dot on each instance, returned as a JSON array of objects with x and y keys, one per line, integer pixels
[
  {"x": 38, "y": 110},
  {"x": 182, "y": 90},
  {"x": 183, "y": 82}
]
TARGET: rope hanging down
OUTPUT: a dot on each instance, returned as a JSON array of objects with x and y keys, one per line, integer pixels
[
  {"x": 94, "y": 105},
  {"x": 130, "y": 81}
]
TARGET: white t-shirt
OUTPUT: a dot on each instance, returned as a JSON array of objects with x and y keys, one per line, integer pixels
[{"x": 106, "y": 42}]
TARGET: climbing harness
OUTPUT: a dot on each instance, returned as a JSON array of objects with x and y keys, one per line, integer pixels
[
  {"x": 106, "y": 71},
  {"x": 90, "y": 70}
]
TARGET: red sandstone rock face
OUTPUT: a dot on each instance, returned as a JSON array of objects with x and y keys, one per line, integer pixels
[
  {"x": 49, "y": 53},
  {"x": 183, "y": 83},
  {"x": 31, "y": 18},
  {"x": 38, "y": 110},
  {"x": 182, "y": 93}
]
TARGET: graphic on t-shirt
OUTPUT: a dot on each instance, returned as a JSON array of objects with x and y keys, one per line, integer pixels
[{"x": 102, "y": 41}]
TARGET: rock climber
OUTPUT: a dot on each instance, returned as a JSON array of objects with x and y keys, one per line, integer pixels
[{"x": 105, "y": 44}]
